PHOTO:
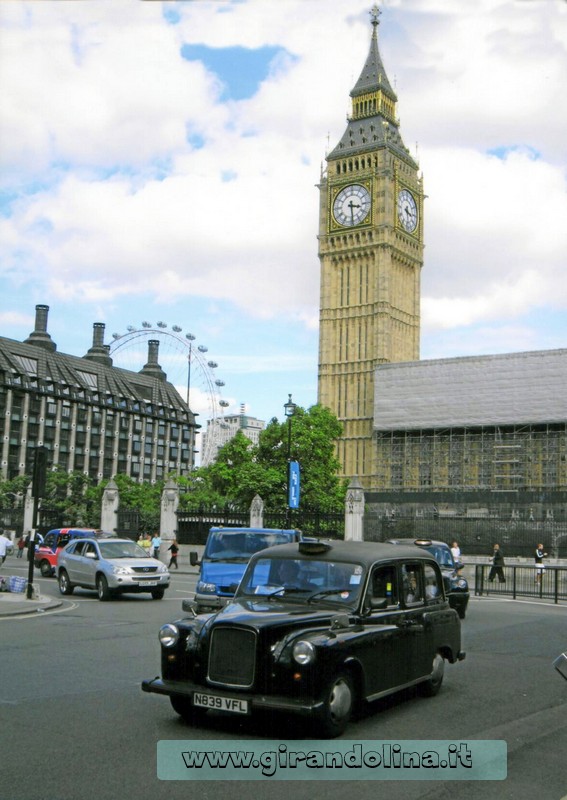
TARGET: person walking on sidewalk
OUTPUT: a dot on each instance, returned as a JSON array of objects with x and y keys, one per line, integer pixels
[
  {"x": 174, "y": 547},
  {"x": 540, "y": 567},
  {"x": 156, "y": 544},
  {"x": 497, "y": 565},
  {"x": 5, "y": 543}
]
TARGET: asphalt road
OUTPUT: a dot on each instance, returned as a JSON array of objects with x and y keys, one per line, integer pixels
[{"x": 75, "y": 725}]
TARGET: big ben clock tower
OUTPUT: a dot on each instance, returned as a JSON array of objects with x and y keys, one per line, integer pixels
[{"x": 371, "y": 254}]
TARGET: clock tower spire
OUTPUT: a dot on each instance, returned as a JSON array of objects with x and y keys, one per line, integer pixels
[{"x": 371, "y": 254}]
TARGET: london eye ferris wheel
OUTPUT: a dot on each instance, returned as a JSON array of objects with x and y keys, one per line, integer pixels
[{"x": 187, "y": 366}]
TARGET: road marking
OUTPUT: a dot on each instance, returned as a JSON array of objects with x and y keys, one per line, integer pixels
[{"x": 40, "y": 613}]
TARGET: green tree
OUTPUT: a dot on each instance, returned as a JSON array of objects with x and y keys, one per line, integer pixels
[
  {"x": 243, "y": 469},
  {"x": 312, "y": 443}
]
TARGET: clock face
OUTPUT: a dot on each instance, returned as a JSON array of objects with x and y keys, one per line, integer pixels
[
  {"x": 352, "y": 205},
  {"x": 407, "y": 211}
]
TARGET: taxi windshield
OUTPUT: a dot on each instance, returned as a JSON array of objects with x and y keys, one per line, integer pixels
[
  {"x": 304, "y": 580},
  {"x": 442, "y": 555}
]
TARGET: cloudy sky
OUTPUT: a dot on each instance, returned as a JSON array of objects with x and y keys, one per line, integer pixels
[{"x": 159, "y": 162}]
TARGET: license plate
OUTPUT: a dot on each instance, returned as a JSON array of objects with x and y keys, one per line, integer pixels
[
  {"x": 148, "y": 583},
  {"x": 234, "y": 704}
]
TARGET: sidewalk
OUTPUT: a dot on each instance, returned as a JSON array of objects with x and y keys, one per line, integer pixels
[{"x": 14, "y": 603}]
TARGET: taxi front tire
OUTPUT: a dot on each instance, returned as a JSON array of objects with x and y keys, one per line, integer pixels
[{"x": 338, "y": 706}]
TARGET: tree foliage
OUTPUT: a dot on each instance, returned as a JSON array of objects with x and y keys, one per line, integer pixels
[{"x": 243, "y": 469}]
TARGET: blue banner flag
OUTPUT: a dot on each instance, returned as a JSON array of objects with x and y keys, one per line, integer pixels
[{"x": 294, "y": 484}]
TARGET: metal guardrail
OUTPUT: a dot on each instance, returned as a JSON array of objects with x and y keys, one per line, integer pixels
[{"x": 521, "y": 580}]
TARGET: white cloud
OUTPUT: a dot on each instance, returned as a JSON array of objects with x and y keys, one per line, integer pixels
[{"x": 111, "y": 201}]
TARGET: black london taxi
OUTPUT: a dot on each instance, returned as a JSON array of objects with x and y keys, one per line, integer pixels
[{"x": 315, "y": 629}]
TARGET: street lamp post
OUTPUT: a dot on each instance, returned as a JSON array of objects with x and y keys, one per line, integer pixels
[{"x": 289, "y": 409}]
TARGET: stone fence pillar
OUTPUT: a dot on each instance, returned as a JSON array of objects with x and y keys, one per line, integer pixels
[
  {"x": 168, "y": 515},
  {"x": 257, "y": 512},
  {"x": 354, "y": 512},
  {"x": 109, "y": 509}
]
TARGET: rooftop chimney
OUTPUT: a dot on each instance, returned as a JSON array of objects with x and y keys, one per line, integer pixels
[
  {"x": 152, "y": 367},
  {"x": 99, "y": 352},
  {"x": 39, "y": 336}
]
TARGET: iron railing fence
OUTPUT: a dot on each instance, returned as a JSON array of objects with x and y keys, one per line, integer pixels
[
  {"x": 193, "y": 526},
  {"x": 522, "y": 580},
  {"x": 310, "y": 522},
  {"x": 128, "y": 523},
  {"x": 475, "y": 536}
]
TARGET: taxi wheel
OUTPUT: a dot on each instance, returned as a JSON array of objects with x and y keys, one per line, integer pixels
[
  {"x": 431, "y": 686},
  {"x": 338, "y": 706},
  {"x": 46, "y": 569},
  {"x": 65, "y": 585},
  {"x": 183, "y": 707},
  {"x": 102, "y": 589}
]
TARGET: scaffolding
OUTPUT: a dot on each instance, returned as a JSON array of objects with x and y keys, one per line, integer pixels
[{"x": 498, "y": 458}]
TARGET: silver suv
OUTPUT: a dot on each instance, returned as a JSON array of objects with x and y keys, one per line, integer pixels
[{"x": 111, "y": 566}]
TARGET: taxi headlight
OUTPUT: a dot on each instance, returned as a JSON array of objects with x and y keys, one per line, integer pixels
[
  {"x": 303, "y": 652},
  {"x": 168, "y": 635}
]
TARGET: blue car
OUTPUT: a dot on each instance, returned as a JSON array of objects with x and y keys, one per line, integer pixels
[{"x": 224, "y": 561}]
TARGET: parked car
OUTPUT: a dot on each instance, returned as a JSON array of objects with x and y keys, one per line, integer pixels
[
  {"x": 315, "y": 629},
  {"x": 226, "y": 554},
  {"x": 456, "y": 586},
  {"x": 111, "y": 566},
  {"x": 45, "y": 557}
]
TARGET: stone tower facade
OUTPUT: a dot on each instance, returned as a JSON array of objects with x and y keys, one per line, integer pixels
[{"x": 371, "y": 254}]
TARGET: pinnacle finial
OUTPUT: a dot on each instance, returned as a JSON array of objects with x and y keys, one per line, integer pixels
[{"x": 375, "y": 17}]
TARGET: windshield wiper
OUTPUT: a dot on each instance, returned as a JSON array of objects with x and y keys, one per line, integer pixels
[{"x": 326, "y": 593}]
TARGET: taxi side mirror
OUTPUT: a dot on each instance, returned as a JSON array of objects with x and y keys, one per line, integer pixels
[{"x": 194, "y": 558}]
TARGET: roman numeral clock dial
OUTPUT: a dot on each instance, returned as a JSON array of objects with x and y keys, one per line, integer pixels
[
  {"x": 407, "y": 211},
  {"x": 352, "y": 205}
]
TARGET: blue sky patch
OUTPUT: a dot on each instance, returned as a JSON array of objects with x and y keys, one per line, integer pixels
[
  {"x": 504, "y": 151},
  {"x": 196, "y": 140},
  {"x": 240, "y": 69},
  {"x": 171, "y": 14}
]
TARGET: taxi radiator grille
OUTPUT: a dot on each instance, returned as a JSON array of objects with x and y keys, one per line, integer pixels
[{"x": 232, "y": 656}]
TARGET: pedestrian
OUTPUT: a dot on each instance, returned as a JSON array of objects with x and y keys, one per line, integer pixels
[
  {"x": 156, "y": 544},
  {"x": 4, "y": 544},
  {"x": 21, "y": 546},
  {"x": 456, "y": 553},
  {"x": 174, "y": 547},
  {"x": 497, "y": 565},
  {"x": 540, "y": 566}
]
